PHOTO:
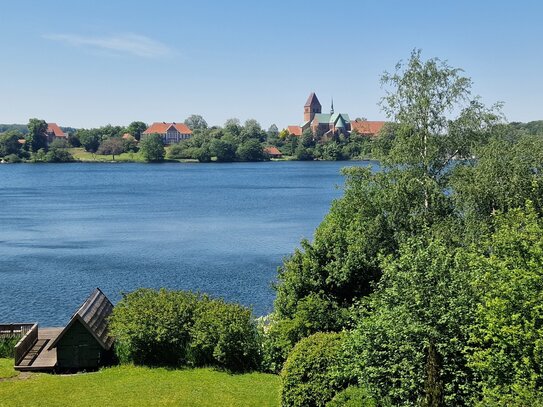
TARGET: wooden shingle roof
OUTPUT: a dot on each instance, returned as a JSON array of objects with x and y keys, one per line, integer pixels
[{"x": 93, "y": 314}]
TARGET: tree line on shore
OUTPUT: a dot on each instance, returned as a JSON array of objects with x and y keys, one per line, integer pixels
[{"x": 232, "y": 142}]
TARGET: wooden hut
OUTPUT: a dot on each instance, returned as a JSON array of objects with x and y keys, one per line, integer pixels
[{"x": 85, "y": 342}]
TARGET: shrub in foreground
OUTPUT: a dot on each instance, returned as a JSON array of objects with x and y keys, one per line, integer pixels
[
  {"x": 224, "y": 335},
  {"x": 177, "y": 328},
  {"x": 153, "y": 327},
  {"x": 313, "y": 372},
  {"x": 353, "y": 396}
]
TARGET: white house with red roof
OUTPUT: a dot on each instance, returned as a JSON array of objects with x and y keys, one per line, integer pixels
[
  {"x": 54, "y": 132},
  {"x": 170, "y": 132}
]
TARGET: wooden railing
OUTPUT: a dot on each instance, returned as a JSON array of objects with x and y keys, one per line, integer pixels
[
  {"x": 26, "y": 343},
  {"x": 14, "y": 330}
]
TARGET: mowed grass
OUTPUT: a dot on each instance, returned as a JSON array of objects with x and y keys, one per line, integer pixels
[
  {"x": 81, "y": 155},
  {"x": 6, "y": 369},
  {"x": 140, "y": 386}
]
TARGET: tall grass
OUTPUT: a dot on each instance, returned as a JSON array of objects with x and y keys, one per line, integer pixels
[{"x": 7, "y": 346}]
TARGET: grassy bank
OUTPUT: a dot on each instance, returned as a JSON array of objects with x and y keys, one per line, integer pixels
[
  {"x": 6, "y": 370},
  {"x": 139, "y": 386}
]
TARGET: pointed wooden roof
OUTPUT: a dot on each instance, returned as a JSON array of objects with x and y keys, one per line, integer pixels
[
  {"x": 312, "y": 100},
  {"x": 93, "y": 315}
]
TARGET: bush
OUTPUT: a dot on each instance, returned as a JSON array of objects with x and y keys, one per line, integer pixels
[
  {"x": 7, "y": 347},
  {"x": 313, "y": 372},
  {"x": 353, "y": 397},
  {"x": 314, "y": 313},
  {"x": 58, "y": 156},
  {"x": 153, "y": 328},
  {"x": 12, "y": 158},
  {"x": 176, "y": 328},
  {"x": 152, "y": 148},
  {"x": 225, "y": 335}
]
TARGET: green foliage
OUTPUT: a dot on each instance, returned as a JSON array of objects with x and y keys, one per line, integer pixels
[
  {"x": 153, "y": 328},
  {"x": 224, "y": 150},
  {"x": 12, "y": 158},
  {"x": 196, "y": 122},
  {"x": 354, "y": 396},
  {"x": 111, "y": 146},
  {"x": 506, "y": 346},
  {"x": 250, "y": 150},
  {"x": 89, "y": 139},
  {"x": 58, "y": 155},
  {"x": 152, "y": 148},
  {"x": 313, "y": 373},
  {"x": 9, "y": 143},
  {"x": 412, "y": 332},
  {"x": 135, "y": 129},
  {"x": 7, "y": 346},
  {"x": 224, "y": 335},
  {"x": 177, "y": 328},
  {"x": 506, "y": 174},
  {"x": 36, "y": 137}
]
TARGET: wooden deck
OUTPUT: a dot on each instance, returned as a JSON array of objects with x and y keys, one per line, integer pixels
[{"x": 39, "y": 357}]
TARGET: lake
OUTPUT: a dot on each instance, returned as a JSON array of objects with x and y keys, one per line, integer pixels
[{"x": 222, "y": 229}]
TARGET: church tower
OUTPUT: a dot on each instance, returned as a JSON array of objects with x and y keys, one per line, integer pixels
[{"x": 311, "y": 107}]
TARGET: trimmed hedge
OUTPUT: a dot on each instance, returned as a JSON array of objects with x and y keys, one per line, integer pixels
[
  {"x": 313, "y": 372},
  {"x": 353, "y": 397}
]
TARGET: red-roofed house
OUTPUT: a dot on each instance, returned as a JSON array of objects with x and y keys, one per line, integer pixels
[
  {"x": 366, "y": 127},
  {"x": 170, "y": 132},
  {"x": 54, "y": 132},
  {"x": 273, "y": 152}
]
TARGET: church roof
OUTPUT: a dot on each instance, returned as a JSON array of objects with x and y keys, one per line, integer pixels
[
  {"x": 312, "y": 100},
  {"x": 322, "y": 117},
  {"x": 340, "y": 123},
  {"x": 336, "y": 116}
]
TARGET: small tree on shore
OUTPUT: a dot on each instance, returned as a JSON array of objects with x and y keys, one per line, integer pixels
[
  {"x": 152, "y": 148},
  {"x": 113, "y": 146}
]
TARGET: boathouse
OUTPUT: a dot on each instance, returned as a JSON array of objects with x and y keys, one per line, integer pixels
[{"x": 83, "y": 344}]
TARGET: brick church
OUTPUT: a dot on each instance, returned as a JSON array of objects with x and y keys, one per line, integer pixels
[{"x": 329, "y": 124}]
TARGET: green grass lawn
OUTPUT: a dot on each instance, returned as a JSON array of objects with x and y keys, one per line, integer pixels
[
  {"x": 81, "y": 155},
  {"x": 140, "y": 386},
  {"x": 6, "y": 369}
]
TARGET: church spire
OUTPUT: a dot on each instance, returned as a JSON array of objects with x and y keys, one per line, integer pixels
[{"x": 332, "y": 107}]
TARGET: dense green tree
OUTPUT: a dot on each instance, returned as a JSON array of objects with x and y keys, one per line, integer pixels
[
  {"x": 9, "y": 143},
  {"x": 436, "y": 123},
  {"x": 224, "y": 150},
  {"x": 233, "y": 127},
  {"x": 111, "y": 146},
  {"x": 250, "y": 150},
  {"x": 412, "y": 333},
  {"x": 36, "y": 137},
  {"x": 152, "y": 148},
  {"x": 89, "y": 139},
  {"x": 58, "y": 155},
  {"x": 506, "y": 347},
  {"x": 196, "y": 122},
  {"x": 136, "y": 129},
  {"x": 313, "y": 371}
]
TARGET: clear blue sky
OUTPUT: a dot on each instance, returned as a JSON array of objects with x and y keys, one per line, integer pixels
[{"x": 86, "y": 64}]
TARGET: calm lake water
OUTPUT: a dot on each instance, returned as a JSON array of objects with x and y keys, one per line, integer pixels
[{"x": 218, "y": 228}]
